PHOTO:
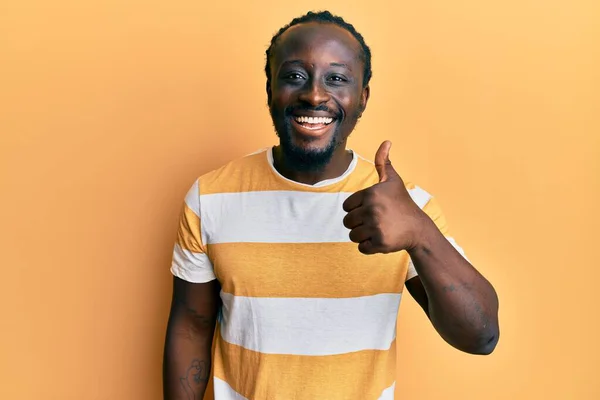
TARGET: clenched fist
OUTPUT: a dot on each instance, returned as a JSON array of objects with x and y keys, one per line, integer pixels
[{"x": 383, "y": 218}]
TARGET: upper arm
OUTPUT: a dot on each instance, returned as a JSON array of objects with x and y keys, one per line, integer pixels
[
  {"x": 196, "y": 303},
  {"x": 195, "y": 287}
]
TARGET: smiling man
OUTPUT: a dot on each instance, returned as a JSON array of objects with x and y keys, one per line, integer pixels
[{"x": 298, "y": 254}]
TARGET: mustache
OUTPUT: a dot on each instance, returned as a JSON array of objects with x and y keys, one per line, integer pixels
[{"x": 289, "y": 110}]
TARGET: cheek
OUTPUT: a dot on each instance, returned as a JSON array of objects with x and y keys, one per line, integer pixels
[
  {"x": 280, "y": 95},
  {"x": 349, "y": 99},
  {"x": 352, "y": 109}
]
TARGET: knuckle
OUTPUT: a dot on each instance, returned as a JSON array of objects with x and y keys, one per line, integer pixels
[{"x": 378, "y": 212}]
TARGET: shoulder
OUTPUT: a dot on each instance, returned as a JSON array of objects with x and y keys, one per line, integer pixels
[{"x": 230, "y": 176}]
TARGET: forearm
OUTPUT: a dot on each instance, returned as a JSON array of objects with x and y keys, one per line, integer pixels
[
  {"x": 462, "y": 305},
  {"x": 187, "y": 360}
]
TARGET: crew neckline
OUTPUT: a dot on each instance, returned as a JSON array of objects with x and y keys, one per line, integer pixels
[{"x": 326, "y": 182}]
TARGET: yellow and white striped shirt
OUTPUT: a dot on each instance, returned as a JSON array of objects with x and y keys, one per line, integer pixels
[{"x": 305, "y": 315}]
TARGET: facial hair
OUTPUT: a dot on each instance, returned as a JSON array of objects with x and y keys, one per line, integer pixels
[{"x": 298, "y": 158}]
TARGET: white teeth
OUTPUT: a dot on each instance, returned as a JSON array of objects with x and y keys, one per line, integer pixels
[{"x": 314, "y": 120}]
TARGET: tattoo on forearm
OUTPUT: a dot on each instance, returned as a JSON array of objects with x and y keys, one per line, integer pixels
[
  {"x": 456, "y": 288},
  {"x": 195, "y": 378},
  {"x": 450, "y": 288}
]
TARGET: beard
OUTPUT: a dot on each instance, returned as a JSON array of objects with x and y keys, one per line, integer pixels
[{"x": 304, "y": 159}]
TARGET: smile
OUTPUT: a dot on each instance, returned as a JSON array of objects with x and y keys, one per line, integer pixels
[{"x": 313, "y": 123}]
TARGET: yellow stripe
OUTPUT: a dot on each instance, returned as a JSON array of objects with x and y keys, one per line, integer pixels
[
  {"x": 188, "y": 234},
  {"x": 358, "y": 375},
  {"x": 306, "y": 270},
  {"x": 253, "y": 173}
]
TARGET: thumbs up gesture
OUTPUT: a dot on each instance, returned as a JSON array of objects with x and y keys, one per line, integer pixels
[{"x": 383, "y": 218}]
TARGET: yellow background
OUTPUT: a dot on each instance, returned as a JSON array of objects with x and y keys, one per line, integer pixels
[{"x": 110, "y": 109}]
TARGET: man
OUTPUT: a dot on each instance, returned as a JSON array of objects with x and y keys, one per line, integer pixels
[{"x": 301, "y": 251}]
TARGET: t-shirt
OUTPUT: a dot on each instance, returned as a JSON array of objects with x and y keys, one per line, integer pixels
[{"x": 304, "y": 314}]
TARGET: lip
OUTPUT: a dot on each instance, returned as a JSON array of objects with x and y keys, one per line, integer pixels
[
  {"x": 313, "y": 114},
  {"x": 315, "y": 133}
]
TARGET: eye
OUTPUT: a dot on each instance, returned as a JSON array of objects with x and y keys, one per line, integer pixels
[
  {"x": 338, "y": 78},
  {"x": 293, "y": 76}
]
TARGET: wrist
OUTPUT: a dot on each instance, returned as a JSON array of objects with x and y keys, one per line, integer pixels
[{"x": 425, "y": 233}]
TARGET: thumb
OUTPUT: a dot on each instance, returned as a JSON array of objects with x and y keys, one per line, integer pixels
[{"x": 383, "y": 164}]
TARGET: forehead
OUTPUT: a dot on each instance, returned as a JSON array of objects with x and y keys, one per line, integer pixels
[{"x": 317, "y": 42}]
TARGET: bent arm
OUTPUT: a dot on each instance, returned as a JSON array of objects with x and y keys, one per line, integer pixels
[
  {"x": 188, "y": 344},
  {"x": 461, "y": 304}
]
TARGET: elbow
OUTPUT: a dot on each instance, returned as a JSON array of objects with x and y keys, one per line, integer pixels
[
  {"x": 487, "y": 347},
  {"x": 484, "y": 344},
  {"x": 477, "y": 343}
]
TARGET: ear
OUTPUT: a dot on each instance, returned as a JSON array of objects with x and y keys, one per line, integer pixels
[
  {"x": 269, "y": 96},
  {"x": 364, "y": 98}
]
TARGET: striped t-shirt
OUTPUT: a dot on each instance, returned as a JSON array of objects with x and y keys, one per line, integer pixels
[{"x": 305, "y": 315}]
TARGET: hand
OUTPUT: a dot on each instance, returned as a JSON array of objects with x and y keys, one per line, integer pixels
[{"x": 383, "y": 218}]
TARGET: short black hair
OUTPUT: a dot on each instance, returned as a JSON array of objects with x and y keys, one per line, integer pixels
[{"x": 324, "y": 17}]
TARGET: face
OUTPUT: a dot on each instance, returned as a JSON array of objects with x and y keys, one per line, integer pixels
[{"x": 316, "y": 93}]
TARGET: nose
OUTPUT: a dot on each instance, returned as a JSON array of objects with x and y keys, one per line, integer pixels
[{"x": 314, "y": 93}]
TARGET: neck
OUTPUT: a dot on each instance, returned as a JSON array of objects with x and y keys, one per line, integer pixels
[{"x": 339, "y": 163}]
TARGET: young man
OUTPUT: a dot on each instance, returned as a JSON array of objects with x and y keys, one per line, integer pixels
[{"x": 301, "y": 251}]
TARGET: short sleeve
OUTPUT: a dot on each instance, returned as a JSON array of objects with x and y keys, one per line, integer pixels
[
  {"x": 431, "y": 207},
  {"x": 190, "y": 261}
]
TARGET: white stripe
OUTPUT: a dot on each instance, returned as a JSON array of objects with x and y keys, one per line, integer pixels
[
  {"x": 310, "y": 326},
  {"x": 419, "y": 196},
  {"x": 275, "y": 217},
  {"x": 192, "y": 198},
  {"x": 225, "y": 392},
  {"x": 190, "y": 266},
  {"x": 411, "y": 272},
  {"x": 388, "y": 394}
]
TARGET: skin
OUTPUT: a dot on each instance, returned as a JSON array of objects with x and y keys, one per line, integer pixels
[
  {"x": 316, "y": 65},
  {"x": 316, "y": 71},
  {"x": 461, "y": 304},
  {"x": 188, "y": 344}
]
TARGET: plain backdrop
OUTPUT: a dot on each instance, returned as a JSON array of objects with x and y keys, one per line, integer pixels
[{"x": 110, "y": 109}]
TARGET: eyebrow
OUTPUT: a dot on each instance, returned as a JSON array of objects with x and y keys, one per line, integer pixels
[
  {"x": 300, "y": 62},
  {"x": 341, "y": 65}
]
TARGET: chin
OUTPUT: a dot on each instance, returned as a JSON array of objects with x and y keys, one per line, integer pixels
[{"x": 307, "y": 155}]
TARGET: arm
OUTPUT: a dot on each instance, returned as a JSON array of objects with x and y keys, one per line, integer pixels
[
  {"x": 461, "y": 304},
  {"x": 188, "y": 344},
  {"x": 459, "y": 301},
  {"x": 194, "y": 308}
]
